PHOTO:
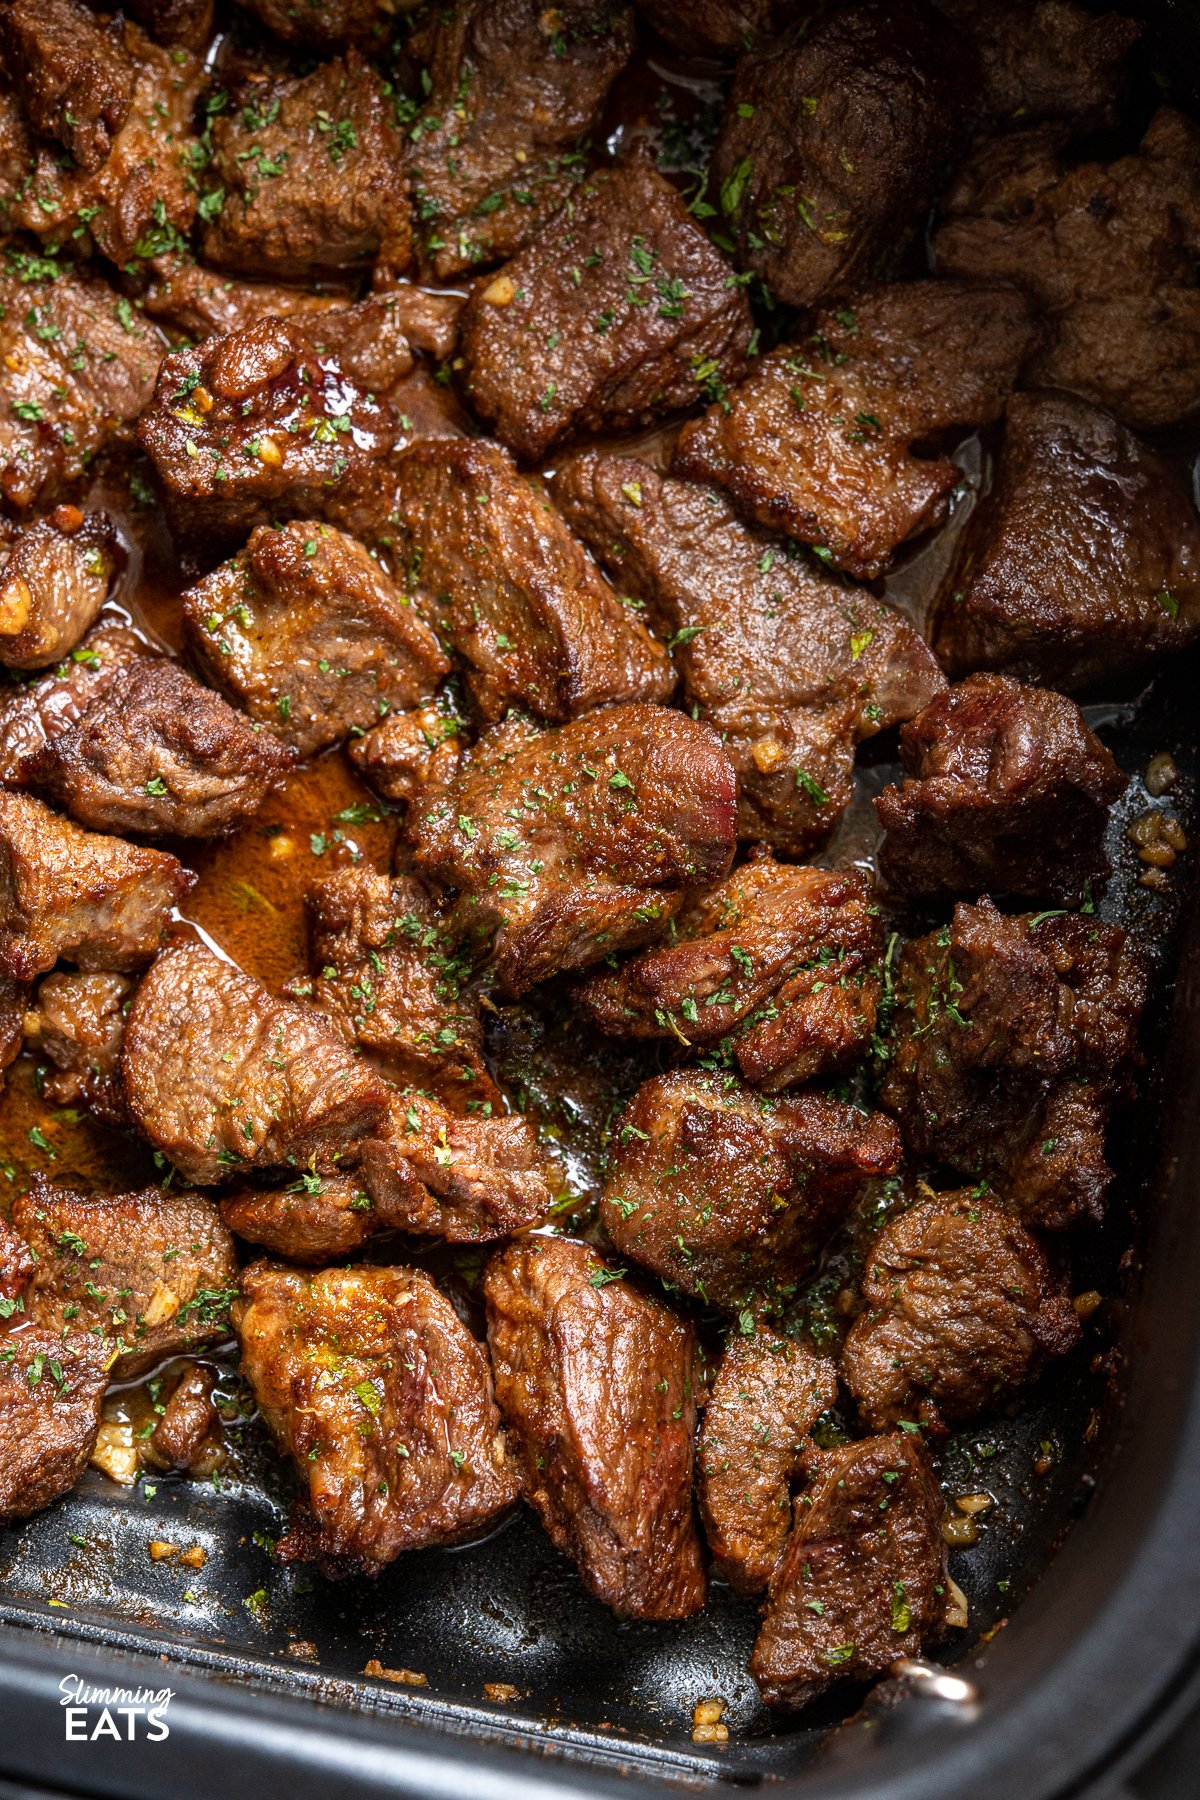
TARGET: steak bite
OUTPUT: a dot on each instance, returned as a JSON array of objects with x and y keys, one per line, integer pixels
[
  {"x": 512, "y": 590},
  {"x": 718, "y": 28},
  {"x": 369, "y": 1380},
  {"x": 309, "y": 168},
  {"x": 79, "y": 367},
  {"x": 36, "y": 711},
  {"x": 1013, "y": 1039},
  {"x": 1007, "y": 792},
  {"x": 98, "y": 901},
  {"x": 863, "y": 1579},
  {"x": 314, "y": 1219},
  {"x": 1045, "y": 59},
  {"x": 260, "y": 425},
  {"x": 204, "y": 302},
  {"x": 1108, "y": 251},
  {"x": 409, "y": 751},
  {"x": 329, "y": 24},
  {"x": 767, "y": 1395},
  {"x": 569, "y": 843},
  {"x": 836, "y": 136},
  {"x": 72, "y": 73},
  {"x": 151, "y": 1273},
  {"x": 222, "y": 1077},
  {"x": 78, "y": 1026},
  {"x": 188, "y": 1421},
  {"x": 305, "y": 631},
  {"x": 1082, "y": 564},
  {"x": 50, "y": 1394},
  {"x": 962, "y": 1308},
  {"x": 779, "y": 963},
  {"x": 619, "y": 311},
  {"x": 789, "y": 664},
  {"x": 821, "y": 439},
  {"x": 55, "y": 577},
  {"x": 496, "y": 151},
  {"x": 729, "y": 1196},
  {"x": 597, "y": 1384}
]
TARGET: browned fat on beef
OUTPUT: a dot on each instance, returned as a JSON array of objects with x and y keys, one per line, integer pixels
[
  {"x": 160, "y": 754},
  {"x": 330, "y": 23},
  {"x": 569, "y": 843},
  {"x": 1045, "y": 59},
  {"x": 1013, "y": 1039},
  {"x": 821, "y": 439},
  {"x": 730, "y": 1196},
  {"x": 152, "y": 1273},
  {"x": 139, "y": 203},
  {"x": 79, "y": 367},
  {"x": 767, "y": 1395},
  {"x": 962, "y": 1308},
  {"x": 309, "y": 167},
  {"x": 78, "y": 1026},
  {"x": 305, "y": 631},
  {"x": 38, "y": 710},
  {"x": 55, "y": 577},
  {"x": 72, "y": 73},
  {"x": 387, "y": 973},
  {"x": 260, "y": 425},
  {"x": 98, "y": 901},
  {"x": 371, "y": 1383},
  {"x": 210, "y": 303},
  {"x": 1082, "y": 564},
  {"x": 836, "y": 137},
  {"x": 1107, "y": 250},
  {"x": 50, "y": 1394},
  {"x": 721, "y": 28},
  {"x": 513, "y": 88},
  {"x": 597, "y": 1383},
  {"x": 620, "y": 311},
  {"x": 409, "y": 751},
  {"x": 313, "y": 1219},
  {"x": 790, "y": 664},
  {"x": 782, "y": 961},
  {"x": 1007, "y": 792},
  {"x": 513, "y": 591},
  {"x": 222, "y": 1077},
  {"x": 189, "y": 1421},
  {"x": 863, "y": 1579}
]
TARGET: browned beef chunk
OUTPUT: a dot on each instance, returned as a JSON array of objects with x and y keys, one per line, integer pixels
[
  {"x": 496, "y": 152},
  {"x": 1045, "y": 59},
  {"x": 512, "y": 590},
  {"x": 73, "y": 76},
  {"x": 314, "y": 1219},
  {"x": 730, "y": 1196},
  {"x": 305, "y": 631},
  {"x": 78, "y": 1026},
  {"x": 50, "y": 1394},
  {"x": 98, "y": 901},
  {"x": 160, "y": 754},
  {"x": 17, "y": 157},
  {"x": 569, "y": 843},
  {"x": 1109, "y": 253},
  {"x": 188, "y": 1421},
  {"x": 712, "y": 27},
  {"x": 620, "y": 311},
  {"x": 175, "y": 21},
  {"x": 139, "y": 202},
  {"x": 597, "y": 1384},
  {"x": 383, "y": 1399},
  {"x": 38, "y": 710},
  {"x": 310, "y": 172},
  {"x": 1013, "y": 1038},
  {"x": 962, "y": 1308},
  {"x": 79, "y": 367},
  {"x": 151, "y": 1273},
  {"x": 429, "y": 321},
  {"x": 408, "y": 751},
  {"x": 386, "y": 971},
  {"x": 204, "y": 303},
  {"x": 767, "y": 1395},
  {"x": 257, "y": 426},
  {"x": 821, "y": 440},
  {"x": 781, "y": 962},
  {"x": 789, "y": 664},
  {"x": 328, "y": 24},
  {"x": 1007, "y": 793},
  {"x": 863, "y": 1579},
  {"x": 835, "y": 138},
  {"x": 467, "y": 1179},
  {"x": 223, "y": 1077},
  {"x": 56, "y": 576},
  {"x": 1083, "y": 562}
]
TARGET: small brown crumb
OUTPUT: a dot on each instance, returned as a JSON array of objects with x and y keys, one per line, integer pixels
[
  {"x": 406, "y": 1677},
  {"x": 67, "y": 519},
  {"x": 1162, "y": 772},
  {"x": 502, "y": 1692},
  {"x": 159, "y": 1552},
  {"x": 707, "y": 1726},
  {"x": 195, "y": 1558},
  {"x": 1086, "y": 1304},
  {"x": 304, "y": 1648}
]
